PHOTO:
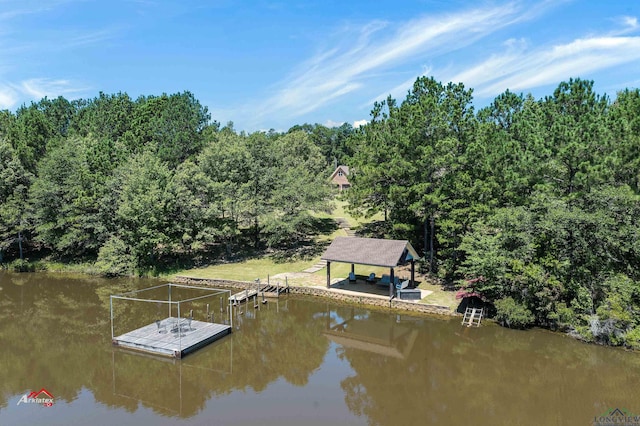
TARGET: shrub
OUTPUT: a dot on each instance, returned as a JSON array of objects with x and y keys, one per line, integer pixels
[
  {"x": 21, "y": 265},
  {"x": 512, "y": 314},
  {"x": 632, "y": 339},
  {"x": 115, "y": 259}
]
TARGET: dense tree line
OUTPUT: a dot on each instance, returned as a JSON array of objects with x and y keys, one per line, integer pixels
[
  {"x": 537, "y": 200},
  {"x": 127, "y": 183}
]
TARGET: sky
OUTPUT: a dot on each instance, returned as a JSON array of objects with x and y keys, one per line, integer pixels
[{"x": 269, "y": 64}]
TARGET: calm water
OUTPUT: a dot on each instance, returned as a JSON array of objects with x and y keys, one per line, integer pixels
[{"x": 294, "y": 362}]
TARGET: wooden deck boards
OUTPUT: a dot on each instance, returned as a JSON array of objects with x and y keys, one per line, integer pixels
[
  {"x": 243, "y": 296},
  {"x": 166, "y": 342}
]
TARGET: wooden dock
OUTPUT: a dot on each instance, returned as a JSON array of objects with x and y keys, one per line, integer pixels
[
  {"x": 242, "y": 296},
  {"x": 266, "y": 290},
  {"x": 172, "y": 338}
]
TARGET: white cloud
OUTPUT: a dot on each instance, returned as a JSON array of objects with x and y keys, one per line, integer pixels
[
  {"x": 359, "y": 123},
  {"x": 87, "y": 37},
  {"x": 527, "y": 69},
  {"x": 331, "y": 123},
  {"x": 8, "y": 97},
  {"x": 630, "y": 21},
  {"x": 346, "y": 66},
  {"x": 628, "y": 24},
  {"x": 38, "y": 88}
]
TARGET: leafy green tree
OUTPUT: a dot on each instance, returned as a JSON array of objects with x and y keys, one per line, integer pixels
[
  {"x": 224, "y": 162},
  {"x": 66, "y": 195},
  {"x": 30, "y": 135},
  {"x": 116, "y": 259},
  {"x": 195, "y": 205},
  {"x": 332, "y": 141},
  {"x": 142, "y": 214},
  {"x": 14, "y": 186},
  {"x": 576, "y": 119},
  {"x": 59, "y": 113},
  {"x": 559, "y": 254},
  {"x": 373, "y": 148},
  {"x": 624, "y": 122},
  {"x": 513, "y": 314},
  {"x": 105, "y": 116},
  {"x": 410, "y": 161},
  {"x": 300, "y": 173},
  {"x": 169, "y": 125}
]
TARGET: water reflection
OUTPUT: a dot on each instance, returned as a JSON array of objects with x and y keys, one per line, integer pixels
[
  {"x": 456, "y": 375},
  {"x": 378, "y": 334},
  {"x": 299, "y": 361},
  {"x": 173, "y": 394}
]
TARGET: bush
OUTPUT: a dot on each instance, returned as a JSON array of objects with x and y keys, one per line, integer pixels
[
  {"x": 115, "y": 259},
  {"x": 21, "y": 265},
  {"x": 632, "y": 339},
  {"x": 512, "y": 314}
]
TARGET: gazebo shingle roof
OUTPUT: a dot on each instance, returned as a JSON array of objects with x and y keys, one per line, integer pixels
[{"x": 368, "y": 251}]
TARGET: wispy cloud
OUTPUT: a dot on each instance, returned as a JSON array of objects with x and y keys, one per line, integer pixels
[
  {"x": 17, "y": 9},
  {"x": 627, "y": 24},
  {"x": 84, "y": 38},
  {"x": 38, "y": 88},
  {"x": 524, "y": 69},
  {"x": 378, "y": 46},
  {"x": 11, "y": 9},
  {"x": 8, "y": 97},
  {"x": 18, "y": 42}
]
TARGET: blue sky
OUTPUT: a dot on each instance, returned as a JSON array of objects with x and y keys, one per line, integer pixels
[{"x": 271, "y": 64}]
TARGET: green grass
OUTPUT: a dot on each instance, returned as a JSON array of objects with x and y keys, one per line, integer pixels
[
  {"x": 247, "y": 270},
  {"x": 439, "y": 296},
  {"x": 251, "y": 269},
  {"x": 340, "y": 210}
]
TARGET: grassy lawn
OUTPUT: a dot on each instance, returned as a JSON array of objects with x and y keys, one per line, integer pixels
[
  {"x": 439, "y": 296},
  {"x": 340, "y": 210},
  {"x": 247, "y": 270},
  {"x": 251, "y": 269},
  {"x": 259, "y": 268}
]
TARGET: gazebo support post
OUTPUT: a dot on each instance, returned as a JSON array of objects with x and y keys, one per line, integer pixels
[
  {"x": 391, "y": 284},
  {"x": 413, "y": 274},
  {"x": 328, "y": 274}
]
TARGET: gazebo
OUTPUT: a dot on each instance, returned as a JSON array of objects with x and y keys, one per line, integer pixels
[{"x": 372, "y": 252}]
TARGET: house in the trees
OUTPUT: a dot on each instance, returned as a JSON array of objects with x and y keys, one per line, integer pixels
[{"x": 339, "y": 177}]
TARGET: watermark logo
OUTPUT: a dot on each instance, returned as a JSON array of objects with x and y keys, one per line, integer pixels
[
  {"x": 617, "y": 417},
  {"x": 42, "y": 396}
]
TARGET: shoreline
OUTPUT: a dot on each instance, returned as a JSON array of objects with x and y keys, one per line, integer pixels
[{"x": 333, "y": 294}]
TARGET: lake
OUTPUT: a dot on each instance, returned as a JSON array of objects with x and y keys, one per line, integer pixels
[{"x": 295, "y": 361}]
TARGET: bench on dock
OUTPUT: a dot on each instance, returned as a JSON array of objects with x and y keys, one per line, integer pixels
[
  {"x": 386, "y": 280},
  {"x": 401, "y": 286}
]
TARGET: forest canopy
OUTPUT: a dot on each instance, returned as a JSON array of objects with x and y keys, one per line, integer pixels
[{"x": 536, "y": 200}]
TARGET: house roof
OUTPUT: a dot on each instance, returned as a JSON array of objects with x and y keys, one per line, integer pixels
[
  {"x": 370, "y": 251},
  {"x": 345, "y": 170}
]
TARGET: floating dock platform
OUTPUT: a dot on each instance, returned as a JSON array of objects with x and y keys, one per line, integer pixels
[{"x": 172, "y": 337}]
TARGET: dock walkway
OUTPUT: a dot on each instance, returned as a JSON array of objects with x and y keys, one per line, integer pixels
[
  {"x": 268, "y": 290},
  {"x": 242, "y": 296}
]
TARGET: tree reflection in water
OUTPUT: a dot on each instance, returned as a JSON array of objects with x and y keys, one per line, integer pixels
[{"x": 345, "y": 365}]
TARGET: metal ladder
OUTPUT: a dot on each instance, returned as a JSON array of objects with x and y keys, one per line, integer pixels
[{"x": 472, "y": 317}]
